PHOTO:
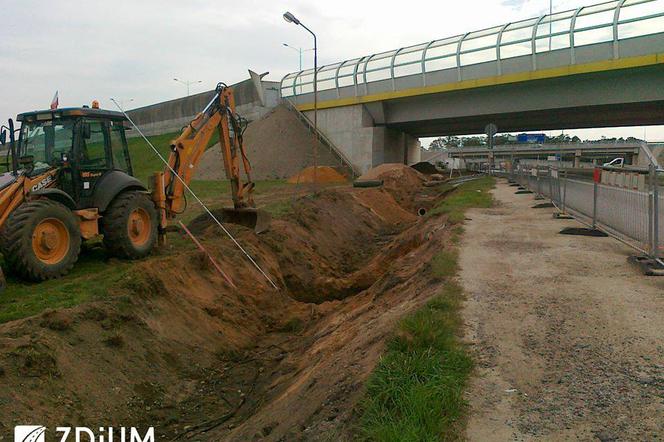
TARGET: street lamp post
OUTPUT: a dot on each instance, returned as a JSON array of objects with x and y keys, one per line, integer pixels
[
  {"x": 187, "y": 83},
  {"x": 290, "y": 18},
  {"x": 123, "y": 101},
  {"x": 300, "y": 51},
  {"x": 550, "y": 23}
]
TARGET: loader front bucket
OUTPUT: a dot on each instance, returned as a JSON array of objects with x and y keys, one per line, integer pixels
[{"x": 256, "y": 219}]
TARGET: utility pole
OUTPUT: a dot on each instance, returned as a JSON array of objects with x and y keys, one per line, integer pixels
[{"x": 550, "y": 23}]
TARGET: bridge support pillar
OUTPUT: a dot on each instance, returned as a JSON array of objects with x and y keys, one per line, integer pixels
[
  {"x": 577, "y": 159},
  {"x": 353, "y": 130}
]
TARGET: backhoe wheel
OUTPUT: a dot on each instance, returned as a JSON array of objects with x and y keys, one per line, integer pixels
[
  {"x": 130, "y": 225},
  {"x": 41, "y": 240}
]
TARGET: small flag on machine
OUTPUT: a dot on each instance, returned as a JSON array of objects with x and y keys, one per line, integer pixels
[{"x": 54, "y": 103}]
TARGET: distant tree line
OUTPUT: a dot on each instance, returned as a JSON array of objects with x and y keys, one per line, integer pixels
[{"x": 451, "y": 142}]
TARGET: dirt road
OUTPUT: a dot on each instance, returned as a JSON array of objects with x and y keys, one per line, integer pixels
[{"x": 568, "y": 338}]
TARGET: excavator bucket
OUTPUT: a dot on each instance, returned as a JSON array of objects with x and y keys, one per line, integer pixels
[{"x": 256, "y": 219}]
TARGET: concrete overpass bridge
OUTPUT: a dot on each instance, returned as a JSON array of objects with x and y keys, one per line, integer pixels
[
  {"x": 573, "y": 153},
  {"x": 595, "y": 66}
]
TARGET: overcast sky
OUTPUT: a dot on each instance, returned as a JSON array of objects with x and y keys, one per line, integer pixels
[{"x": 126, "y": 49}]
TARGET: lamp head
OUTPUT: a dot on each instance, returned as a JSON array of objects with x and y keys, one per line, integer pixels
[{"x": 290, "y": 18}]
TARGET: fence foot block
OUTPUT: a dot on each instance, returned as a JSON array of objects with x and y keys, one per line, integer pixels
[
  {"x": 543, "y": 205},
  {"x": 648, "y": 266},
  {"x": 583, "y": 231},
  {"x": 522, "y": 192},
  {"x": 561, "y": 215},
  {"x": 515, "y": 185},
  {"x": 539, "y": 198}
]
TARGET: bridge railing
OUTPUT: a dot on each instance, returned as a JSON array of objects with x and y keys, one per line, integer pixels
[
  {"x": 625, "y": 203},
  {"x": 612, "y": 21}
]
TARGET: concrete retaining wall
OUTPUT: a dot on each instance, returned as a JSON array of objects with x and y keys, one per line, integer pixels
[{"x": 172, "y": 116}]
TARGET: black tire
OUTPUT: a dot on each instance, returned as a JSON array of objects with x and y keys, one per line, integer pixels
[
  {"x": 119, "y": 238},
  {"x": 367, "y": 183},
  {"x": 19, "y": 236}
]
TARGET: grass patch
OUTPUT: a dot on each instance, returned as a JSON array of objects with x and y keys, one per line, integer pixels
[
  {"x": 444, "y": 264},
  {"x": 416, "y": 391},
  {"x": 471, "y": 194},
  {"x": 143, "y": 159},
  {"x": 90, "y": 279}
]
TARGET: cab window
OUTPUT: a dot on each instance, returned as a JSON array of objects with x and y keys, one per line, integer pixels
[
  {"x": 92, "y": 148},
  {"x": 46, "y": 142},
  {"x": 120, "y": 161}
]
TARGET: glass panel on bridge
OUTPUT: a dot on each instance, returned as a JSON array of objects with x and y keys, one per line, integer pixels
[
  {"x": 517, "y": 39},
  {"x": 640, "y": 28},
  {"x": 345, "y": 77},
  {"x": 553, "y": 32},
  {"x": 378, "y": 68},
  {"x": 593, "y": 28},
  {"x": 409, "y": 61},
  {"x": 631, "y": 22},
  {"x": 479, "y": 47},
  {"x": 442, "y": 54}
]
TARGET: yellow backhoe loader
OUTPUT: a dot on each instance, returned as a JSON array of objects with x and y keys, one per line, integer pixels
[{"x": 70, "y": 179}]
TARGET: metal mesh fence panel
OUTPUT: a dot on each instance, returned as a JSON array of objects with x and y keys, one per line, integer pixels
[
  {"x": 660, "y": 212},
  {"x": 625, "y": 208},
  {"x": 625, "y": 213},
  {"x": 554, "y": 186},
  {"x": 579, "y": 197}
]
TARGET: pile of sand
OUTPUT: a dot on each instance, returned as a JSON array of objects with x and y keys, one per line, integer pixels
[
  {"x": 425, "y": 167},
  {"x": 278, "y": 146},
  {"x": 394, "y": 171},
  {"x": 396, "y": 179},
  {"x": 324, "y": 174}
]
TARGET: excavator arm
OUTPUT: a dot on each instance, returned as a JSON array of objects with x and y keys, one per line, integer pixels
[{"x": 187, "y": 151}]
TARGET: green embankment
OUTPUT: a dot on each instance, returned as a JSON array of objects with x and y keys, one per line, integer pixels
[{"x": 416, "y": 391}]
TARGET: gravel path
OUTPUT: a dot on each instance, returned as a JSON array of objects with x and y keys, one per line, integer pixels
[{"x": 568, "y": 338}]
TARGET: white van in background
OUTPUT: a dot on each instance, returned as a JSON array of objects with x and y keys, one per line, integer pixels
[{"x": 616, "y": 162}]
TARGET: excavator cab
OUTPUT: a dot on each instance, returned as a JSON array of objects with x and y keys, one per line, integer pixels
[
  {"x": 83, "y": 144},
  {"x": 68, "y": 179}
]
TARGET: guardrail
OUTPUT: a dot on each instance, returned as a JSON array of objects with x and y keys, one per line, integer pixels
[{"x": 627, "y": 204}]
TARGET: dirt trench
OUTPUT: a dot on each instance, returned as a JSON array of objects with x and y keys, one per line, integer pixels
[{"x": 176, "y": 348}]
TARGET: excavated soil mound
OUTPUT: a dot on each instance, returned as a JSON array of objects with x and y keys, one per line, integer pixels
[
  {"x": 377, "y": 172},
  {"x": 278, "y": 146},
  {"x": 176, "y": 348},
  {"x": 324, "y": 174},
  {"x": 398, "y": 180},
  {"x": 425, "y": 167}
]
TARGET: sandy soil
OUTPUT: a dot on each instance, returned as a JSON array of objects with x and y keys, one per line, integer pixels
[
  {"x": 279, "y": 145},
  {"x": 568, "y": 338}
]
